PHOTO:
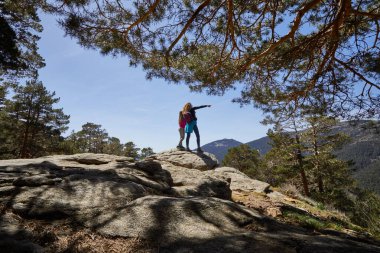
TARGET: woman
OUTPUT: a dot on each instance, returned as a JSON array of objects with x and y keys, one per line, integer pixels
[{"x": 191, "y": 123}]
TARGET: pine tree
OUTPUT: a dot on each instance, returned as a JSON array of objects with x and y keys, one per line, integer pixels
[
  {"x": 306, "y": 142},
  {"x": 321, "y": 143},
  {"x": 278, "y": 164},
  {"x": 286, "y": 158},
  {"x": 8, "y": 133},
  {"x": 3, "y": 92},
  {"x": 365, "y": 210},
  {"x": 145, "y": 152},
  {"x": 69, "y": 145},
  {"x": 90, "y": 139},
  {"x": 281, "y": 51},
  {"x": 130, "y": 150},
  {"x": 244, "y": 159},
  {"x": 19, "y": 25},
  {"x": 36, "y": 124},
  {"x": 113, "y": 146},
  {"x": 288, "y": 136}
]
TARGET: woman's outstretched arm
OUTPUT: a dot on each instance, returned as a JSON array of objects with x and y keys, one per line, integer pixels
[{"x": 199, "y": 107}]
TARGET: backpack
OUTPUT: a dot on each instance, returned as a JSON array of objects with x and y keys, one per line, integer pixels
[{"x": 188, "y": 117}]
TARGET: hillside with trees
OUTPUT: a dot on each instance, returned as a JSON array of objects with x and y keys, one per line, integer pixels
[
  {"x": 361, "y": 150},
  {"x": 303, "y": 156},
  {"x": 92, "y": 138}
]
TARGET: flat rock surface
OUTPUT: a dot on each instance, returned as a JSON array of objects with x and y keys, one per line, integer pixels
[{"x": 191, "y": 160}]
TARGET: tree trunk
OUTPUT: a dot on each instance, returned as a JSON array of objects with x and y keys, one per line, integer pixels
[
  {"x": 317, "y": 165},
  {"x": 26, "y": 135},
  {"x": 24, "y": 142},
  {"x": 305, "y": 183},
  {"x": 320, "y": 184},
  {"x": 34, "y": 122}
]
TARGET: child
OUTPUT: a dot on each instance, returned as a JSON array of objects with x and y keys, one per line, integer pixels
[
  {"x": 188, "y": 113},
  {"x": 182, "y": 124}
]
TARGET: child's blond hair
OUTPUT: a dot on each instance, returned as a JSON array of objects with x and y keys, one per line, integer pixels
[{"x": 186, "y": 108}]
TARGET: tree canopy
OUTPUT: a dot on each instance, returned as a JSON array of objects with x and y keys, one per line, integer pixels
[
  {"x": 30, "y": 125},
  {"x": 244, "y": 159},
  {"x": 277, "y": 52},
  {"x": 92, "y": 138},
  {"x": 19, "y": 25}
]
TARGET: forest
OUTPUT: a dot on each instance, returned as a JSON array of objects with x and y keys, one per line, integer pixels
[{"x": 31, "y": 126}]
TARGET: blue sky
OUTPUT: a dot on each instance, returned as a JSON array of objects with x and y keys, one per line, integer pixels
[{"x": 107, "y": 91}]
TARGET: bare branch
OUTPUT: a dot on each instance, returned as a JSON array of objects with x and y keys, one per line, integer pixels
[
  {"x": 367, "y": 14},
  {"x": 296, "y": 24},
  {"x": 355, "y": 72},
  {"x": 230, "y": 23},
  {"x": 377, "y": 34},
  {"x": 188, "y": 23}
]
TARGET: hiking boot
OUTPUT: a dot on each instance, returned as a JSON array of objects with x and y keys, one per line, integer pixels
[
  {"x": 199, "y": 150},
  {"x": 180, "y": 147},
  {"x": 187, "y": 149}
]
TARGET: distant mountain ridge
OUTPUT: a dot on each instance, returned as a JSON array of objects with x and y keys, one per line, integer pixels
[
  {"x": 363, "y": 150},
  {"x": 262, "y": 145},
  {"x": 220, "y": 147}
]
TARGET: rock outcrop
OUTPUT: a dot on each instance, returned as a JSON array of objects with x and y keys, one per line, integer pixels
[
  {"x": 239, "y": 181},
  {"x": 198, "y": 161},
  {"x": 170, "y": 202}
]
